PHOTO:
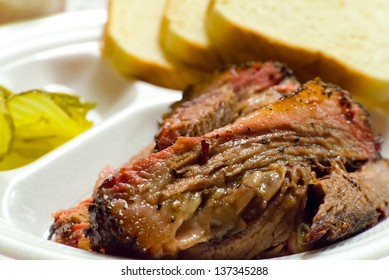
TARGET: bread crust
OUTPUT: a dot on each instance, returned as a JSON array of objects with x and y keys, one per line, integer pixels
[
  {"x": 237, "y": 43},
  {"x": 188, "y": 44},
  {"x": 133, "y": 64}
]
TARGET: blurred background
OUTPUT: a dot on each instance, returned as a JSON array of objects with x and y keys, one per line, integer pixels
[{"x": 18, "y": 10}]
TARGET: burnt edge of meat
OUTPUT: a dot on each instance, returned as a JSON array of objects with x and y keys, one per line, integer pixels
[
  {"x": 52, "y": 232},
  {"x": 363, "y": 203},
  {"x": 115, "y": 244}
]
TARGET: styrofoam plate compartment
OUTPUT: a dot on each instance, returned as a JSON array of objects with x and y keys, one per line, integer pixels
[{"x": 63, "y": 52}]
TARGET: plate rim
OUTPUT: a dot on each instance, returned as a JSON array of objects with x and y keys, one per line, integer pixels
[{"x": 92, "y": 21}]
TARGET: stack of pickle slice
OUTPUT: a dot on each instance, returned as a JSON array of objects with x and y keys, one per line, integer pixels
[{"x": 33, "y": 123}]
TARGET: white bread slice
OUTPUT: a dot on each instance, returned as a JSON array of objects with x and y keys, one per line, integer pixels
[
  {"x": 344, "y": 42},
  {"x": 131, "y": 44},
  {"x": 183, "y": 34}
]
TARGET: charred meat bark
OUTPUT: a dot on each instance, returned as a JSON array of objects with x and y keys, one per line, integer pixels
[
  {"x": 249, "y": 188},
  {"x": 229, "y": 94},
  {"x": 69, "y": 226},
  {"x": 364, "y": 193}
]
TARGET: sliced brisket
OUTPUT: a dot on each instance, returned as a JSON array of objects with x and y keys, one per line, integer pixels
[
  {"x": 69, "y": 226},
  {"x": 364, "y": 193},
  {"x": 227, "y": 95},
  {"x": 245, "y": 190}
]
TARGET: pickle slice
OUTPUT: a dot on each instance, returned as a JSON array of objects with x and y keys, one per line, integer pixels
[
  {"x": 6, "y": 125},
  {"x": 5, "y": 92},
  {"x": 35, "y": 122},
  {"x": 72, "y": 105},
  {"x": 26, "y": 151},
  {"x": 39, "y": 114}
]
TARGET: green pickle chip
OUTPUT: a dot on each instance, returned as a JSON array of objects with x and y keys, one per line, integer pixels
[
  {"x": 6, "y": 125},
  {"x": 38, "y": 122}
]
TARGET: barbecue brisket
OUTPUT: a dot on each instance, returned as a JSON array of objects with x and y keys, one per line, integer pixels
[
  {"x": 229, "y": 94},
  {"x": 247, "y": 189},
  {"x": 249, "y": 164}
]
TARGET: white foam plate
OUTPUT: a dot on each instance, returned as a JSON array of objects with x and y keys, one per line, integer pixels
[{"x": 63, "y": 52}]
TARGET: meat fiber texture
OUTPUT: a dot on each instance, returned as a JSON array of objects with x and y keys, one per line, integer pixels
[{"x": 301, "y": 171}]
